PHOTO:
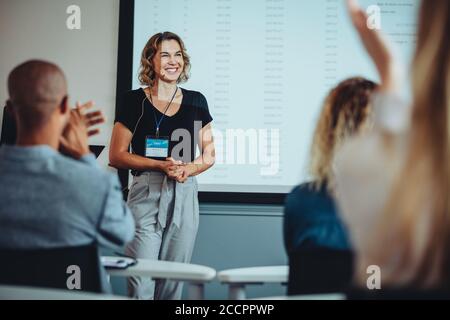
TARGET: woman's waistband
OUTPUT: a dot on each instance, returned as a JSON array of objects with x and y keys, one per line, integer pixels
[
  {"x": 136, "y": 173},
  {"x": 143, "y": 175}
]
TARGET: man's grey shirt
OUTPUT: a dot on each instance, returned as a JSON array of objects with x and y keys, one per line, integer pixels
[{"x": 48, "y": 200}]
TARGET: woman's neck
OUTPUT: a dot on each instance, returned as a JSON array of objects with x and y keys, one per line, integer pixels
[{"x": 164, "y": 90}]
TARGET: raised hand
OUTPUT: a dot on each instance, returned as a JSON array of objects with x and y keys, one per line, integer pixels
[{"x": 376, "y": 46}]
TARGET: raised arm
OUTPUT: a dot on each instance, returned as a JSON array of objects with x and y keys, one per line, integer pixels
[{"x": 377, "y": 47}]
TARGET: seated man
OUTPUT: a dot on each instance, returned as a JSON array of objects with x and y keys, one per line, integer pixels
[{"x": 47, "y": 199}]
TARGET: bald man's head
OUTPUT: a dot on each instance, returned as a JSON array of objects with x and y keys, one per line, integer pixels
[{"x": 36, "y": 88}]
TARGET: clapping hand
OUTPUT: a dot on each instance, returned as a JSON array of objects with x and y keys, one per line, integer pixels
[{"x": 74, "y": 140}]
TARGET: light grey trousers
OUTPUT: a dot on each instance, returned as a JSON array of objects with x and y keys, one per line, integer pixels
[{"x": 167, "y": 215}]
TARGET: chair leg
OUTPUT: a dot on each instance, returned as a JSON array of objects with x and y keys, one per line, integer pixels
[
  {"x": 237, "y": 292},
  {"x": 196, "y": 291}
]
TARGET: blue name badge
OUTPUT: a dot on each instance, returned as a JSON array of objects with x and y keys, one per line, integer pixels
[{"x": 156, "y": 147}]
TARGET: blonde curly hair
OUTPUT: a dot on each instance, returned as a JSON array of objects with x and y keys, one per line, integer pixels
[
  {"x": 147, "y": 74},
  {"x": 345, "y": 111}
]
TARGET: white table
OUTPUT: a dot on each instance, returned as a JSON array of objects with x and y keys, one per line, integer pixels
[
  {"x": 29, "y": 293},
  {"x": 195, "y": 275},
  {"x": 237, "y": 279},
  {"x": 328, "y": 296}
]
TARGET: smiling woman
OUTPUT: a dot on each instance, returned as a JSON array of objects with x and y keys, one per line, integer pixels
[
  {"x": 166, "y": 44},
  {"x": 164, "y": 194}
]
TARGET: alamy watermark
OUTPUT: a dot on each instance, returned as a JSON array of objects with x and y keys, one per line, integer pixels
[
  {"x": 73, "y": 281},
  {"x": 258, "y": 147},
  {"x": 374, "y": 279},
  {"x": 73, "y": 21},
  {"x": 374, "y": 17}
]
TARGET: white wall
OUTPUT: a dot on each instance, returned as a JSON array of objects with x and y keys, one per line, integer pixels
[{"x": 37, "y": 29}]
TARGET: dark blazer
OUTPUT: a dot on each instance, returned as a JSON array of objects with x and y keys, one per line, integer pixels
[{"x": 311, "y": 221}]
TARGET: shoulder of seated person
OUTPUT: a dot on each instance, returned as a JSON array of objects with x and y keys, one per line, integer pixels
[
  {"x": 298, "y": 196},
  {"x": 369, "y": 158},
  {"x": 307, "y": 188},
  {"x": 78, "y": 167},
  {"x": 359, "y": 152}
]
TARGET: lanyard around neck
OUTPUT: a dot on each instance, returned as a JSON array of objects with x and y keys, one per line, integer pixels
[{"x": 158, "y": 123}]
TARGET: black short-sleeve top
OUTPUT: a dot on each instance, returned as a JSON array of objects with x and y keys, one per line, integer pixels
[{"x": 138, "y": 114}]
